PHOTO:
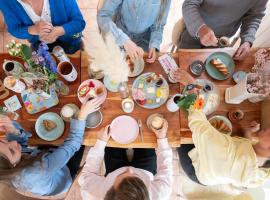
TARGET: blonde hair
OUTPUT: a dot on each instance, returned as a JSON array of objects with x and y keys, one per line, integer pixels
[{"x": 162, "y": 10}]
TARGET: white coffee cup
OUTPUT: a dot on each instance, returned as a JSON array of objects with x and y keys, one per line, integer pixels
[
  {"x": 67, "y": 71},
  {"x": 12, "y": 68}
]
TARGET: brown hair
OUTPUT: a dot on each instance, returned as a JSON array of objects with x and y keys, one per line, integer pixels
[
  {"x": 131, "y": 188},
  {"x": 7, "y": 171}
]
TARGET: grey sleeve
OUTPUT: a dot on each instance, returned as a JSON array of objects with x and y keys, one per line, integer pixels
[
  {"x": 252, "y": 20},
  {"x": 192, "y": 17}
]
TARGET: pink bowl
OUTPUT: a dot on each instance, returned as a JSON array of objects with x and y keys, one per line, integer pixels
[{"x": 124, "y": 129}]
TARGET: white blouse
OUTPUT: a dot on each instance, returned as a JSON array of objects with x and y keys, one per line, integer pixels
[{"x": 45, "y": 15}]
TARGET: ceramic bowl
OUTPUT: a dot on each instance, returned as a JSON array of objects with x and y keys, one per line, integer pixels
[{"x": 94, "y": 119}]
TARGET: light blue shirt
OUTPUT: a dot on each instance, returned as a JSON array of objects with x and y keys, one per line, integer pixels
[
  {"x": 134, "y": 17},
  {"x": 50, "y": 175}
]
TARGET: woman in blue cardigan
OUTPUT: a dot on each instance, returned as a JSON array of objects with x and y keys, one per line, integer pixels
[
  {"x": 54, "y": 22},
  {"x": 47, "y": 173}
]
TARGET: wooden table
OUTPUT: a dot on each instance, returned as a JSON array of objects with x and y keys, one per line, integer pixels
[
  {"x": 110, "y": 109},
  {"x": 27, "y": 120},
  {"x": 251, "y": 110}
]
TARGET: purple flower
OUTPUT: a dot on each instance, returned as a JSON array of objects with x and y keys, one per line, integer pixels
[{"x": 47, "y": 59}]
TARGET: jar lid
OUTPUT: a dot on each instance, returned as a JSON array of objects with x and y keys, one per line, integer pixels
[{"x": 197, "y": 67}]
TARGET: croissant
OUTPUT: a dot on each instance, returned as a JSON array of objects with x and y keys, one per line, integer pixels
[
  {"x": 220, "y": 66},
  {"x": 49, "y": 125}
]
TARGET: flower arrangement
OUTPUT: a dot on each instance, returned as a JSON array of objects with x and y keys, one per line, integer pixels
[
  {"x": 259, "y": 80},
  {"x": 107, "y": 56},
  {"x": 186, "y": 101},
  {"x": 40, "y": 69}
]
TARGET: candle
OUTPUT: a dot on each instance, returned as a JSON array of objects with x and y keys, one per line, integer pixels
[
  {"x": 67, "y": 112},
  {"x": 127, "y": 105}
]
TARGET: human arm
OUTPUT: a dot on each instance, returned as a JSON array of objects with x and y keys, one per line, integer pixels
[
  {"x": 104, "y": 20},
  {"x": 14, "y": 131},
  {"x": 250, "y": 23},
  {"x": 76, "y": 23},
  {"x": 195, "y": 23},
  {"x": 59, "y": 157},
  {"x": 14, "y": 25},
  {"x": 90, "y": 178},
  {"x": 158, "y": 27},
  {"x": 204, "y": 133},
  {"x": 56, "y": 32},
  {"x": 163, "y": 180}
]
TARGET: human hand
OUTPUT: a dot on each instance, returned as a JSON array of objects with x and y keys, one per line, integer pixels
[
  {"x": 253, "y": 128},
  {"x": 41, "y": 28},
  {"x": 161, "y": 133},
  {"x": 242, "y": 51},
  {"x": 181, "y": 76},
  {"x": 152, "y": 55},
  {"x": 53, "y": 35},
  {"x": 207, "y": 36},
  {"x": 88, "y": 108},
  {"x": 7, "y": 126},
  {"x": 133, "y": 51},
  {"x": 104, "y": 134}
]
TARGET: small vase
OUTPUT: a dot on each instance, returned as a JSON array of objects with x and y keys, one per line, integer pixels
[
  {"x": 238, "y": 93},
  {"x": 172, "y": 103}
]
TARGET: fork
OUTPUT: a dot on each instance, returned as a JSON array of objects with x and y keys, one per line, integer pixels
[{"x": 140, "y": 128}]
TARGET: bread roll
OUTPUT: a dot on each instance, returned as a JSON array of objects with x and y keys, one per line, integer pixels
[{"x": 220, "y": 66}]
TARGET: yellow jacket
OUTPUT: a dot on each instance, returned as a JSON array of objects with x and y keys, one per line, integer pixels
[{"x": 222, "y": 159}]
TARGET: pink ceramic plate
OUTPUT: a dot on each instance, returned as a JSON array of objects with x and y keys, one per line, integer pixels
[
  {"x": 97, "y": 84},
  {"x": 124, "y": 129}
]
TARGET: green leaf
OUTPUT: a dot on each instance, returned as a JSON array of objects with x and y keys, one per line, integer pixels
[
  {"x": 27, "y": 51},
  {"x": 187, "y": 101}
]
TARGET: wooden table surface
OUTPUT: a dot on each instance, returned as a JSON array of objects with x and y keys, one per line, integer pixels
[
  {"x": 251, "y": 110},
  {"x": 28, "y": 120},
  {"x": 110, "y": 109},
  {"x": 178, "y": 133}
]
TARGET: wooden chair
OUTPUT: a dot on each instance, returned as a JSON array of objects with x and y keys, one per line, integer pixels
[{"x": 178, "y": 29}]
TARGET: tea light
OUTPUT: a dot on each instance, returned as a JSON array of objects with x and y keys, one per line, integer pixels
[
  {"x": 127, "y": 105},
  {"x": 67, "y": 112}
]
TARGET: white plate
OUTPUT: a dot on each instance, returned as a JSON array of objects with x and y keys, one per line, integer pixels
[
  {"x": 124, "y": 129},
  {"x": 97, "y": 84}
]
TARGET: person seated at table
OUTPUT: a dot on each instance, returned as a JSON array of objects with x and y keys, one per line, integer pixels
[
  {"x": 54, "y": 22},
  {"x": 138, "y": 25},
  {"x": 216, "y": 158},
  {"x": 147, "y": 176},
  {"x": 208, "y": 20},
  {"x": 49, "y": 172}
]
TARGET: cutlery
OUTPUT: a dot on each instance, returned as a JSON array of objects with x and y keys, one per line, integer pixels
[{"x": 140, "y": 129}]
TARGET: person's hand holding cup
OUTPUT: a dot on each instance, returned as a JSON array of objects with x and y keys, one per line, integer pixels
[{"x": 162, "y": 132}]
